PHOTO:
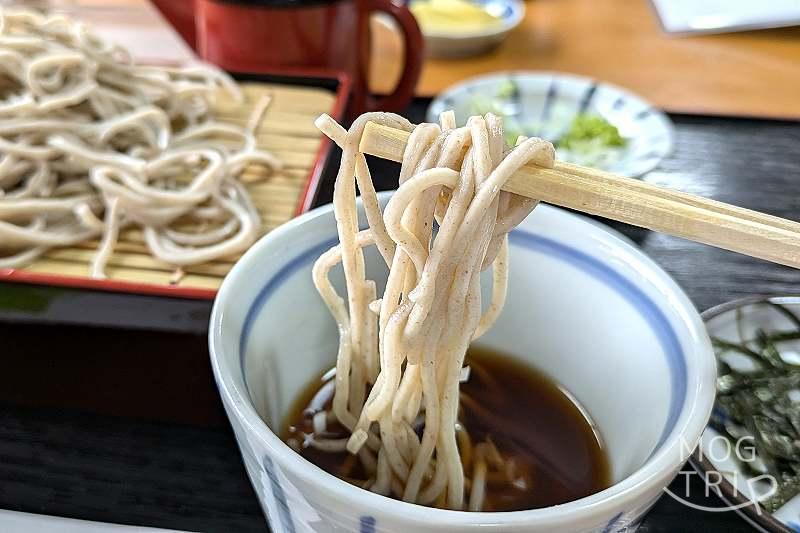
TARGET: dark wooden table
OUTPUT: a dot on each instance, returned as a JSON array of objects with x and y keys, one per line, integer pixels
[{"x": 108, "y": 409}]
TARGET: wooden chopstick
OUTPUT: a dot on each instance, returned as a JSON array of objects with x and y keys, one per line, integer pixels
[{"x": 635, "y": 202}]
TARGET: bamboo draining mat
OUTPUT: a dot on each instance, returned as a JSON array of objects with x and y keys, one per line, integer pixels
[{"x": 286, "y": 129}]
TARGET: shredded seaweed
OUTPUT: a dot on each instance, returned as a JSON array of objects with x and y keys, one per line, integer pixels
[{"x": 763, "y": 403}]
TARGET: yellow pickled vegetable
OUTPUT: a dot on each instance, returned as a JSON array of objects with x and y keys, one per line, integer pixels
[{"x": 452, "y": 16}]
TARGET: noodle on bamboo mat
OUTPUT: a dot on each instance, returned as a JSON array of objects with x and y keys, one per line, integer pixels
[{"x": 286, "y": 129}]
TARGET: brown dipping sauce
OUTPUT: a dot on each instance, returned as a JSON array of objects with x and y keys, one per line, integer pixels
[{"x": 526, "y": 415}]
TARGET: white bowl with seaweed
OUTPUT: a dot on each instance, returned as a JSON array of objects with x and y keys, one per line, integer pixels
[
  {"x": 751, "y": 450},
  {"x": 591, "y": 123}
]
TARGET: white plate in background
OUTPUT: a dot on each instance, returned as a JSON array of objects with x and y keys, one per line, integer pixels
[{"x": 719, "y": 16}]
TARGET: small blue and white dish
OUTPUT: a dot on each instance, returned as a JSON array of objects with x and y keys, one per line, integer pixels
[
  {"x": 546, "y": 104},
  {"x": 733, "y": 468},
  {"x": 460, "y": 43}
]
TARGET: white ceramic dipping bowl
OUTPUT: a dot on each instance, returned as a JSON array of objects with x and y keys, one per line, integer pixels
[{"x": 584, "y": 306}]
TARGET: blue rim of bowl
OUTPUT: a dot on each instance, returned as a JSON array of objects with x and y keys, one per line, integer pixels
[
  {"x": 746, "y": 508},
  {"x": 507, "y": 23},
  {"x": 592, "y": 85},
  {"x": 570, "y": 256},
  {"x": 644, "y": 478}
]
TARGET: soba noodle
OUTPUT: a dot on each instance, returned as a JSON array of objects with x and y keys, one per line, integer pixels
[
  {"x": 400, "y": 356},
  {"x": 91, "y": 143}
]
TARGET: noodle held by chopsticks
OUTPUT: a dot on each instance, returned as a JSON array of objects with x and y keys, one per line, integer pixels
[
  {"x": 91, "y": 143},
  {"x": 400, "y": 356}
]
